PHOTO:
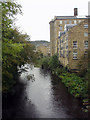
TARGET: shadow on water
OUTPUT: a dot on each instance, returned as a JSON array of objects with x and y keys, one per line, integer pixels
[
  {"x": 10, "y": 100},
  {"x": 46, "y": 97}
]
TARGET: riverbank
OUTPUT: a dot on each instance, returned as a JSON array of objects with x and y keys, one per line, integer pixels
[{"x": 76, "y": 85}]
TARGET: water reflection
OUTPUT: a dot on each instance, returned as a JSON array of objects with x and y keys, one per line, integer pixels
[{"x": 45, "y": 97}]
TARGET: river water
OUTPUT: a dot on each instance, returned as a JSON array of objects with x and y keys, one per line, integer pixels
[{"x": 43, "y": 97}]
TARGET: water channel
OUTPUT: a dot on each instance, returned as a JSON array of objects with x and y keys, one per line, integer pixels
[{"x": 42, "y": 97}]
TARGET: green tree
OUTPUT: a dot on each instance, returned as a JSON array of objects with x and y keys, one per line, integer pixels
[
  {"x": 16, "y": 48},
  {"x": 44, "y": 62},
  {"x": 54, "y": 63}
]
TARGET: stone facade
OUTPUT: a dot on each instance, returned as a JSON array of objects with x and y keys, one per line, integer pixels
[
  {"x": 73, "y": 44},
  {"x": 57, "y": 25},
  {"x": 63, "y": 48},
  {"x": 52, "y": 42},
  {"x": 44, "y": 49}
]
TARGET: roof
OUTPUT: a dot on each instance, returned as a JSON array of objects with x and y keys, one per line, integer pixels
[
  {"x": 68, "y": 17},
  {"x": 64, "y": 17}
]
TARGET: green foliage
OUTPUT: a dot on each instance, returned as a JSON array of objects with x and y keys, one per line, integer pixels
[
  {"x": 9, "y": 10},
  {"x": 53, "y": 63},
  {"x": 16, "y": 48},
  {"x": 44, "y": 62},
  {"x": 76, "y": 85},
  {"x": 59, "y": 71},
  {"x": 27, "y": 54},
  {"x": 83, "y": 65},
  {"x": 10, "y": 49}
]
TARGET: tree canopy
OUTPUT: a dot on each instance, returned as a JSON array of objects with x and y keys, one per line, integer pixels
[{"x": 16, "y": 48}]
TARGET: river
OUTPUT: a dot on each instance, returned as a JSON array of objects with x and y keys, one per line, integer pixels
[{"x": 44, "y": 97}]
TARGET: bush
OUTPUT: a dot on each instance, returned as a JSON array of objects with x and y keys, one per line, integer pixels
[
  {"x": 53, "y": 63},
  {"x": 76, "y": 85},
  {"x": 59, "y": 71},
  {"x": 44, "y": 62}
]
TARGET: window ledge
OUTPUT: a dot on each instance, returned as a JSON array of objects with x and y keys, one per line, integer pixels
[
  {"x": 74, "y": 48},
  {"x": 75, "y": 58}
]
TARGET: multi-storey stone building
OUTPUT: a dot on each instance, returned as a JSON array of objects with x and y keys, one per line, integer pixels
[
  {"x": 69, "y": 39},
  {"x": 57, "y": 26},
  {"x": 73, "y": 45}
]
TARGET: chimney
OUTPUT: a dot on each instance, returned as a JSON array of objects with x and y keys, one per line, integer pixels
[{"x": 75, "y": 11}]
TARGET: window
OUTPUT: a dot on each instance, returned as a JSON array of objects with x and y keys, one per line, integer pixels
[
  {"x": 59, "y": 33},
  {"x": 62, "y": 48},
  {"x": 67, "y": 54},
  {"x": 86, "y": 26},
  {"x": 63, "y": 53},
  {"x": 75, "y": 21},
  {"x": 65, "y": 21},
  {"x": 70, "y": 22},
  {"x": 60, "y": 27},
  {"x": 66, "y": 38},
  {"x": 74, "y": 55},
  {"x": 79, "y": 21},
  {"x": 86, "y": 44},
  {"x": 86, "y": 54},
  {"x": 60, "y": 21},
  {"x": 60, "y": 41},
  {"x": 74, "y": 44},
  {"x": 85, "y": 34},
  {"x": 67, "y": 45}
]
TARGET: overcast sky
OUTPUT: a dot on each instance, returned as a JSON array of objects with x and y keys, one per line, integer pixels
[{"x": 38, "y": 13}]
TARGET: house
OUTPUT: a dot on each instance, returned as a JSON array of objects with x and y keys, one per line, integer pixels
[
  {"x": 69, "y": 39},
  {"x": 44, "y": 49}
]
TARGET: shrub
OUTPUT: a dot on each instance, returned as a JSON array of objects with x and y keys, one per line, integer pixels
[
  {"x": 59, "y": 71},
  {"x": 44, "y": 62},
  {"x": 54, "y": 63},
  {"x": 76, "y": 85}
]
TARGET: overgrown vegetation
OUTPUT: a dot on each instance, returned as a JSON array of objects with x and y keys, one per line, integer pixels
[
  {"x": 77, "y": 85},
  {"x": 16, "y": 48}
]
